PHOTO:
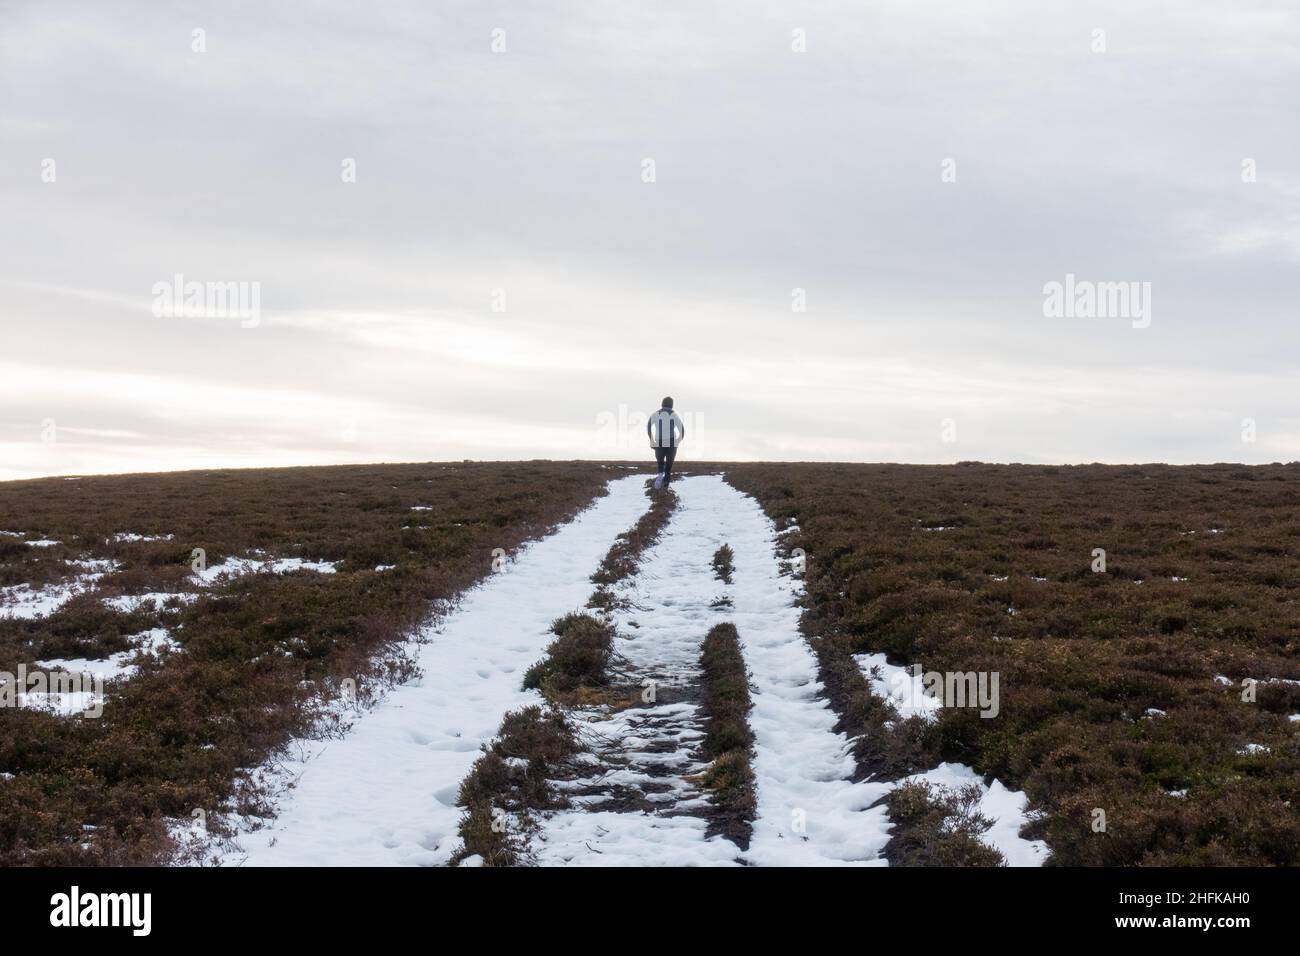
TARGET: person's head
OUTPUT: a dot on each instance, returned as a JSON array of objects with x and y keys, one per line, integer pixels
[{"x": 668, "y": 403}]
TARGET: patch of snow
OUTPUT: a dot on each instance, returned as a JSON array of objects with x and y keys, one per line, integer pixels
[
  {"x": 108, "y": 668},
  {"x": 154, "y": 641},
  {"x": 1253, "y": 749},
  {"x": 384, "y": 567},
  {"x": 63, "y": 704},
  {"x": 1220, "y": 679},
  {"x": 23, "y": 602},
  {"x": 609, "y": 838},
  {"x": 132, "y": 536},
  {"x": 237, "y": 567},
  {"x": 904, "y": 689},
  {"x": 1006, "y": 808},
  {"x": 93, "y": 566},
  {"x": 155, "y": 600},
  {"x": 285, "y": 565},
  {"x": 44, "y": 543},
  {"x": 1154, "y": 712},
  {"x": 1177, "y": 793},
  {"x": 118, "y": 665}
]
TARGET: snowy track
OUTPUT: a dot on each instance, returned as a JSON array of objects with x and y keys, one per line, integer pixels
[
  {"x": 647, "y": 753},
  {"x": 386, "y": 793},
  {"x": 809, "y": 811}
]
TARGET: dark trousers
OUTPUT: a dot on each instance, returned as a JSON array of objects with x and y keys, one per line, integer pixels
[{"x": 664, "y": 462}]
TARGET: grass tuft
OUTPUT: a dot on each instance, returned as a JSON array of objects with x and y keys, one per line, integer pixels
[
  {"x": 722, "y": 563},
  {"x": 727, "y": 736},
  {"x": 509, "y": 784},
  {"x": 937, "y": 826},
  {"x": 578, "y": 657}
]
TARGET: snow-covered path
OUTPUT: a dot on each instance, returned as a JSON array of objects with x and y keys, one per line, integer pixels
[
  {"x": 386, "y": 793},
  {"x": 656, "y": 747},
  {"x": 809, "y": 811}
]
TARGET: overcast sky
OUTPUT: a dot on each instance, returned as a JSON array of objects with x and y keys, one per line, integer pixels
[{"x": 502, "y": 281}]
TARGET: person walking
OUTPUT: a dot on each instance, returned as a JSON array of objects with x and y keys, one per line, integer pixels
[{"x": 665, "y": 431}]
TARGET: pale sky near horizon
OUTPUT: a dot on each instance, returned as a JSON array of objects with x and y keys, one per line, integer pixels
[{"x": 920, "y": 170}]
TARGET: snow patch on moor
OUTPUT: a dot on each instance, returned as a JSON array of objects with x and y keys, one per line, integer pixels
[
  {"x": 116, "y": 666},
  {"x": 24, "y": 602},
  {"x": 1006, "y": 808},
  {"x": 237, "y": 567}
]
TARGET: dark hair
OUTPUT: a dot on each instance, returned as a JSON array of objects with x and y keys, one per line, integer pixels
[{"x": 668, "y": 403}]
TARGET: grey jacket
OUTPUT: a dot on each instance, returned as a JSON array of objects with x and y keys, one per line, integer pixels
[{"x": 665, "y": 429}]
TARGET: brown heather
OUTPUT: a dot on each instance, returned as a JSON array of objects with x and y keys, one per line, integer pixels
[
  {"x": 1082, "y": 659},
  {"x": 728, "y": 739},
  {"x": 1085, "y": 655}
]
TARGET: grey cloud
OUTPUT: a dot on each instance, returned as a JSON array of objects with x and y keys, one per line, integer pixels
[{"x": 776, "y": 170}]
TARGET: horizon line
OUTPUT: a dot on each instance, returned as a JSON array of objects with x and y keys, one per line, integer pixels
[{"x": 635, "y": 463}]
